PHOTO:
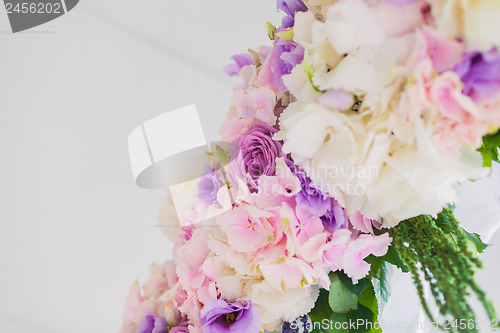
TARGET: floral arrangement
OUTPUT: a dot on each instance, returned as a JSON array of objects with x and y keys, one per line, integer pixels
[{"x": 342, "y": 147}]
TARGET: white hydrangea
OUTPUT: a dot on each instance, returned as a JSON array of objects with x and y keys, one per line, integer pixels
[
  {"x": 474, "y": 21},
  {"x": 277, "y": 306}
]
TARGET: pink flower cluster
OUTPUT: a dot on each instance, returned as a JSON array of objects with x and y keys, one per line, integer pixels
[{"x": 267, "y": 249}]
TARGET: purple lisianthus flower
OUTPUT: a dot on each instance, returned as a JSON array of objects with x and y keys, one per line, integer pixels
[
  {"x": 318, "y": 203},
  {"x": 290, "y": 7},
  {"x": 335, "y": 218},
  {"x": 152, "y": 323},
  {"x": 219, "y": 316},
  {"x": 240, "y": 61},
  {"x": 480, "y": 73},
  {"x": 310, "y": 197},
  {"x": 258, "y": 151},
  {"x": 208, "y": 186}
]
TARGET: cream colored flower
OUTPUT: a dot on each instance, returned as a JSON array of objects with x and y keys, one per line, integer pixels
[
  {"x": 475, "y": 21},
  {"x": 366, "y": 168},
  {"x": 276, "y": 305}
]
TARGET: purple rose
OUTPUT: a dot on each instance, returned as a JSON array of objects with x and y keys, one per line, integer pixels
[
  {"x": 480, "y": 73},
  {"x": 258, "y": 151},
  {"x": 238, "y": 317},
  {"x": 240, "y": 61},
  {"x": 335, "y": 218},
  {"x": 152, "y": 323},
  {"x": 208, "y": 186}
]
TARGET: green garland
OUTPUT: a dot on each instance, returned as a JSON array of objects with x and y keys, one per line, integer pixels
[{"x": 439, "y": 251}]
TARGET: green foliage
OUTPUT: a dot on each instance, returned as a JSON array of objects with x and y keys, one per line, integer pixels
[
  {"x": 270, "y": 30},
  {"x": 446, "y": 224},
  {"x": 393, "y": 257},
  {"x": 339, "y": 318},
  {"x": 285, "y": 35},
  {"x": 370, "y": 321},
  {"x": 223, "y": 155},
  {"x": 375, "y": 264},
  {"x": 368, "y": 299},
  {"x": 437, "y": 251},
  {"x": 341, "y": 298},
  {"x": 476, "y": 240},
  {"x": 381, "y": 284},
  {"x": 489, "y": 148},
  {"x": 347, "y": 307},
  {"x": 357, "y": 288},
  {"x": 321, "y": 309}
]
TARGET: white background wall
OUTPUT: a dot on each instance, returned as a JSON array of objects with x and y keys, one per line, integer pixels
[{"x": 76, "y": 231}]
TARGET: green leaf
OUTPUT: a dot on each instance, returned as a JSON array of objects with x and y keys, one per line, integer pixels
[
  {"x": 270, "y": 30},
  {"x": 489, "y": 149},
  {"x": 310, "y": 74},
  {"x": 339, "y": 319},
  {"x": 392, "y": 257},
  {"x": 285, "y": 35},
  {"x": 381, "y": 285},
  {"x": 321, "y": 308},
  {"x": 223, "y": 155},
  {"x": 443, "y": 221},
  {"x": 355, "y": 288},
  {"x": 366, "y": 321},
  {"x": 375, "y": 264},
  {"x": 320, "y": 328},
  {"x": 476, "y": 239},
  {"x": 341, "y": 299},
  {"x": 369, "y": 300}
]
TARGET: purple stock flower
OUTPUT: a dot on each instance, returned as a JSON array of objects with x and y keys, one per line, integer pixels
[
  {"x": 219, "y": 316},
  {"x": 285, "y": 55},
  {"x": 208, "y": 186},
  {"x": 480, "y": 73},
  {"x": 335, "y": 218},
  {"x": 290, "y": 7},
  {"x": 400, "y": 3},
  {"x": 240, "y": 61},
  {"x": 258, "y": 151},
  {"x": 151, "y": 323}
]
